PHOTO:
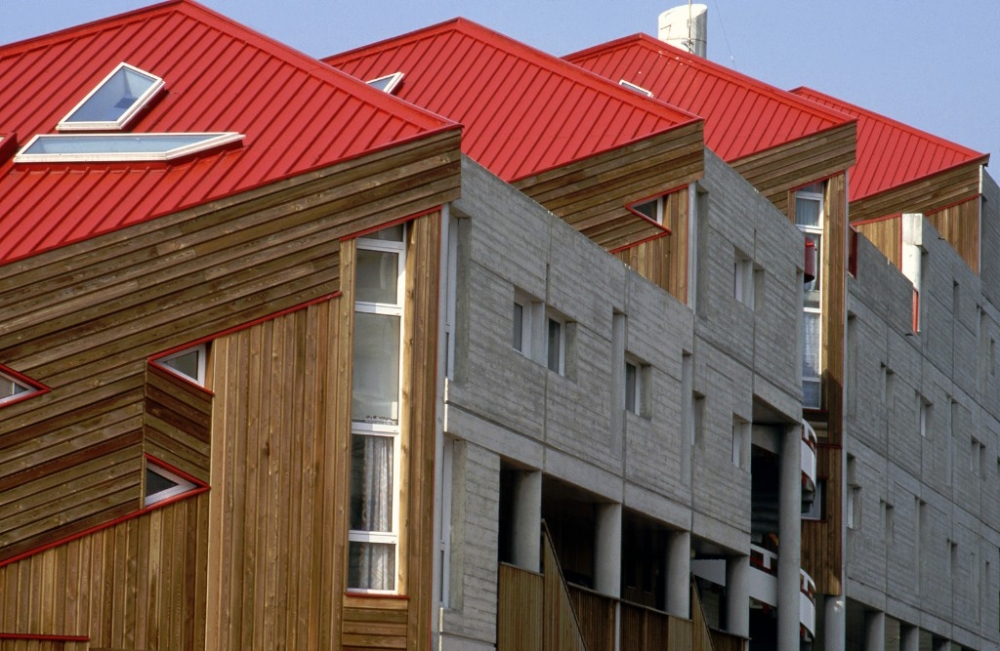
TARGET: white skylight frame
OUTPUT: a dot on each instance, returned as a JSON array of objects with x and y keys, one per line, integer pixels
[
  {"x": 637, "y": 88},
  {"x": 391, "y": 81},
  {"x": 127, "y": 114},
  {"x": 209, "y": 140}
]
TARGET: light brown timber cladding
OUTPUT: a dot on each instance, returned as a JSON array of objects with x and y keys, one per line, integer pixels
[
  {"x": 821, "y": 540},
  {"x": 177, "y": 422},
  {"x": 664, "y": 261},
  {"x": 776, "y": 171},
  {"x": 592, "y": 194},
  {"x": 887, "y": 236},
  {"x": 82, "y": 319},
  {"x": 520, "y": 610},
  {"x": 926, "y": 195},
  {"x": 273, "y": 531},
  {"x": 959, "y": 224},
  {"x": 139, "y": 584},
  {"x": 44, "y": 645}
]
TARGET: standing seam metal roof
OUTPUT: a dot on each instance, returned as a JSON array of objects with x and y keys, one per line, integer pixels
[
  {"x": 297, "y": 114},
  {"x": 524, "y": 111},
  {"x": 890, "y": 153},
  {"x": 743, "y": 116}
]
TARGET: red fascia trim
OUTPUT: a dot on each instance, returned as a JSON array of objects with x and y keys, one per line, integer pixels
[
  {"x": 176, "y": 471},
  {"x": 44, "y": 638},
  {"x": 876, "y": 219},
  {"x": 626, "y": 247},
  {"x": 39, "y": 388},
  {"x": 154, "y": 359},
  {"x": 106, "y": 525},
  {"x": 395, "y": 222}
]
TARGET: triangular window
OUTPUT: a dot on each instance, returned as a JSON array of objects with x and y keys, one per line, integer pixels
[
  {"x": 188, "y": 363},
  {"x": 115, "y": 101},
  {"x": 12, "y": 388},
  {"x": 388, "y": 83},
  {"x": 161, "y": 484}
]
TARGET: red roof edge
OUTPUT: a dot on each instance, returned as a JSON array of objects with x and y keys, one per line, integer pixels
[
  {"x": 715, "y": 68},
  {"x": 805, "y": 92}
]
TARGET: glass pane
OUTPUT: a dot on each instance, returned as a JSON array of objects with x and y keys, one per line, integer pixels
[
  {"x": 518, "y": 327},
  {"x": 9, "y": 388},
  {"x": 378, "y": 275},
  {"x": 391, "y": 234},
  {"x": 555, "y": 346},
  {"x": 811, "y": 394},
  {"x": 631, "y": 373},
  {"x": 114, "y": 97},
  {"x": 155, "y": 482},
  {"x": 812, "y": 288},
  {"x": 648, "y": 209},
  {"x": 371, "y": 483},
  {"x": 807, "y": 212},
  {"x": 372, "y": 566},
  {"x": 376, "y": 369},
  {"x": 185, "y": 364},
  {"x": 810, "y": 345},
  {"x": 114, "y": 143}
]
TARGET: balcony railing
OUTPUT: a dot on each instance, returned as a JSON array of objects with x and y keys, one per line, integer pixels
[{"x": 809, "y": 442}]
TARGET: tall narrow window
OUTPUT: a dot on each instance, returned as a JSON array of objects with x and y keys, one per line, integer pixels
[
  {"x": 375, "y": 411},
  {"x": 743, "y": 279},
  {"x": 556, "y": 350},
  {"x": 810, "y": 219}
]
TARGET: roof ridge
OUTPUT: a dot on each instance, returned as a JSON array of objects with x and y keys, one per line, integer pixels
[
  {"x": 805, "y": 91},
  {"x": 709, "y": 66}
]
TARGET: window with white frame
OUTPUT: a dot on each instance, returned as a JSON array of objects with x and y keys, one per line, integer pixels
[
  {"x": 743, "y": 279},
  {"x": 386, "y": 83},
  {"x": 810, "y": 219},
  {"x": 189, "y": 363},
  {"x": 375, "y": 411},
  {"x": 637, "y": 387},
  {"x": 162, "y": 484},
  {"x": 12, "y": 389},
  {"x": 653, "y": 209},
  {"x": 114, "y": 101}
]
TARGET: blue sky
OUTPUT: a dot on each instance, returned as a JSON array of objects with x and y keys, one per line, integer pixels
[{"x": 931, "y": 64}]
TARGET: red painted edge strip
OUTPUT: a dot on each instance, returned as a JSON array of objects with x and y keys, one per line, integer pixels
[
  {"x": 178, "y": 472},
  {"x": 395, "y": 222},
  {"x": 39, "y": 388}
]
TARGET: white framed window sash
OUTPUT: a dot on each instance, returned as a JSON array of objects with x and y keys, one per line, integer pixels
[
  {"x": 392, "y": 432},
  {"x": 816, "y": 231}
]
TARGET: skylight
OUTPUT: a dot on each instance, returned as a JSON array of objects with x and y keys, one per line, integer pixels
[
  {"x": 114, "y": 101},
  {"x": 638, "y": 89},
  {"x": 388, "y": 83},
  {"x": 119, "y": 147}
]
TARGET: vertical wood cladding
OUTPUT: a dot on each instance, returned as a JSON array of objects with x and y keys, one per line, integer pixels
[
  {"x": 84, "y": 318},
  {"x": 137, "y": 585},
  {"x": 591, "y": 195},
  {"x": 664, "y": 261},
  {"x": 959, "y": 224},
  {"x": 887, "y": 236}
]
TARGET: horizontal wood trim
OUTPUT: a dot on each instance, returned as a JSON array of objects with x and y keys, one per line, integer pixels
[{"x": 924, "y": 195}]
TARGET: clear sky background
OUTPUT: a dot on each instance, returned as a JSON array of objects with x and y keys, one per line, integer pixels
[{"x": 933, "y": 64}]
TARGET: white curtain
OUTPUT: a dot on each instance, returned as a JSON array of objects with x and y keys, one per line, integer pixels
[{"x": 372, "y": 564}]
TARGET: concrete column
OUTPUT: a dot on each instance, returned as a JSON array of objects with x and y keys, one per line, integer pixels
[
  {"x": 738, "y": 595},
  {"x": 834, "y": 623},
  {"x": 608, "y": 550},
  {"x": 679, "y": 574},
  {"x": 941, "y": 644},
  {"x": 528, "y": 520},
  {"x": 790, "y": 539},
  {"x": 874, "y": 630},
  {"x": 909, "y": 638}
]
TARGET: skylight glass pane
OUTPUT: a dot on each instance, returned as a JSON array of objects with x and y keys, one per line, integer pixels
[
  {"x": 115, "y": 98},
  {"x": 387, "y": 83},
  {"x": 67, "y": 148}
]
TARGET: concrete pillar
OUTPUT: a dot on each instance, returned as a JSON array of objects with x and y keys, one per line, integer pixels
[
  {"x": 941, "y": 644},
  {"x": 874, "y": 630},
  {"x": 608, "y": 550},
  {"x": 679, "y": 574},
  {"x": 909, "y": 638},
  {"x": 738, "y": 595},
  {"x": 528, "y": 520},
  {"x": 790, "y": 539},
  {"x": 834, "y": 623}
]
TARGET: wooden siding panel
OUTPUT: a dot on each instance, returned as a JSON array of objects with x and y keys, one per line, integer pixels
[
  {"x": 664, "y": 261},
  {"x": 177, "y": 422},
  {"x": 520, "y": 606},
  {"x": 103, "y": 585},
  {"x": 887, "y": 236},
  {"x": 959, "y": 224},
  {"x": 926, "y": 195}
]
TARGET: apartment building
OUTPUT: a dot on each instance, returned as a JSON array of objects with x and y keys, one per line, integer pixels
[{"x": 481, "y": 348}]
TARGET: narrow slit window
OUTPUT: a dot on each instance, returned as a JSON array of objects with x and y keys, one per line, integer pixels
[
  {"x": 114, "y": 102},
  {"x": 557, "y": 346},
  {"x": 386, "y": 83}
]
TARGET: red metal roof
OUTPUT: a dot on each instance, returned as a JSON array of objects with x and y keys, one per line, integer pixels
[
  {"x": 743, "y": 116},
  {"x": 297, "y": 115},
  {"x": 891, "y": 153},
  {"x": 524, "y": 111}
]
